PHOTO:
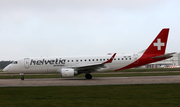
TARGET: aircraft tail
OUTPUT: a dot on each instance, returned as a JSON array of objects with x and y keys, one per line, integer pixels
[
  {"x": 155, "y": 52},
  {"x": 158, "y": 46}
]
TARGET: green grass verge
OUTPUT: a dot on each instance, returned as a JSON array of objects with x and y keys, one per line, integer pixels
[
  {"x": 157, "y": 95},
  {"x": 94, "y": 75}
]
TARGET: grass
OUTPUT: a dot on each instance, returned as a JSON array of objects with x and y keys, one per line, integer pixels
[{"x": 157, "y": 95}]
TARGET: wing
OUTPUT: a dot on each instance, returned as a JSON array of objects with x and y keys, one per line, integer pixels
[{"x": 93, "y": 67}]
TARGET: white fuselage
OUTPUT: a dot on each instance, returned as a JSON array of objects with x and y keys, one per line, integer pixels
[{"x": 55, "y": 64}]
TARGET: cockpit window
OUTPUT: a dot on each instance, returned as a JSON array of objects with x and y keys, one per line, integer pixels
[{"x": 14, "y": 62}]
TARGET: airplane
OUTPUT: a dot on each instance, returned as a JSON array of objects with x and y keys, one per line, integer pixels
[{"x": 70, "y": 66}]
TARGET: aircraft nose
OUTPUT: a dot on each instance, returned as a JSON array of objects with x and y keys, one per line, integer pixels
[{"x": 6, "y": 69}]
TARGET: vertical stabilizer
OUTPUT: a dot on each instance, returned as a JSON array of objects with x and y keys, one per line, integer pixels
[{"x": 158, "y": 46}]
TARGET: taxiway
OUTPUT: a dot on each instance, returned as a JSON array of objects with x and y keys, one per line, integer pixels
[{"x": 95, "y": 81}]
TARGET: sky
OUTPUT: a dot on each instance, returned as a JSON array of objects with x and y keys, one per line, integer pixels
[{"x": 35, "y": 28}]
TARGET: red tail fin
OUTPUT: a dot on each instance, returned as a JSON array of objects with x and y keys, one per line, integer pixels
[
  {"x": 155, "y": 52},
  {"x": 158, "y": 46}
]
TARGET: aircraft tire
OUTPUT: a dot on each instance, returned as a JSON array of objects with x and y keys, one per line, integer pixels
[
  {"x": 22, "y": 78},
  {"x": 88, "y": 76}
]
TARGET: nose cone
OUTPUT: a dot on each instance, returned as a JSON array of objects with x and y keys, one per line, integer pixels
[{"x": 6, "y": 69}]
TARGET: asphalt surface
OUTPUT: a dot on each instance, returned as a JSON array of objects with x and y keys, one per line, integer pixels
[{"x": 94, "y": 81}]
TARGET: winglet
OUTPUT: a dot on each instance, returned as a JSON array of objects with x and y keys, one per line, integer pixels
[{"x": 111, "y": 59}]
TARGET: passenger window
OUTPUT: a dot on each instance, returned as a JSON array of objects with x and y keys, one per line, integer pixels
[
  {"x": 118, "y": 58},
  {"x": 96, "y": 59},
  {"x": 85, "y": 60},
  {"x": 114, "y": 58},
  {"x": 72, "y": 60},
  {"x": 93, "y": 60},
  {"x": 76, "y": 60},
  {"x": 100, "y": 59},
  {"x": 104, "y": 59}
]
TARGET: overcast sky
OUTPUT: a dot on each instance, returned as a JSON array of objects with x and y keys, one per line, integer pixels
[{"x": 84, "y": 27}]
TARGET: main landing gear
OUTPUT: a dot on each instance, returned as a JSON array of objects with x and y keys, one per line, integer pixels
[
  {"x": 22, "y": 76},
  {"x": 88, "y": 76}
]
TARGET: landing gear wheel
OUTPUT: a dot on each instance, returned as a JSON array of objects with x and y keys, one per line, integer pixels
[
  {"x": 88, "y": 76},
  {"x": 22, "y": 78}
]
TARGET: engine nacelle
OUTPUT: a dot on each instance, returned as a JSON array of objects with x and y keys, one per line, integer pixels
[{"x": 68, "y": 72}]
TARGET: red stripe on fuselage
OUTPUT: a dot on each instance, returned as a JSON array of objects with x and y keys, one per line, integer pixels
[{"x": 143, "y": 60}]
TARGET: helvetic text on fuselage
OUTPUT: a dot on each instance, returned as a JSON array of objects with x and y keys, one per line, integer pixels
[{"x": 55, "y": 62}]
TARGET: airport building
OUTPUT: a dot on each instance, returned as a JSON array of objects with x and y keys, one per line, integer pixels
[{"x": 173, "y": 61}]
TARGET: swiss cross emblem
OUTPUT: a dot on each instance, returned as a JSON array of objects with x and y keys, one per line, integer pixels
[{"x": 159, "y": 44}]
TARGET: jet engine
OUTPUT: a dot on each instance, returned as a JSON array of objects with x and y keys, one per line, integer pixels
[{"x": 68, "y": 72}]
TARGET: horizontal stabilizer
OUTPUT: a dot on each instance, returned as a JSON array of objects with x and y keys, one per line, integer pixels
[{"x": 169, "y": 55}]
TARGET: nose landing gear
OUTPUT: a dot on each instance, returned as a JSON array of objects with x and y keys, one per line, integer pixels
[{"x": 22, "y": 76}]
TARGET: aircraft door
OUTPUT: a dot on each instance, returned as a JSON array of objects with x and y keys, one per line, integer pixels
[{"x": 26, "y": 62}]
